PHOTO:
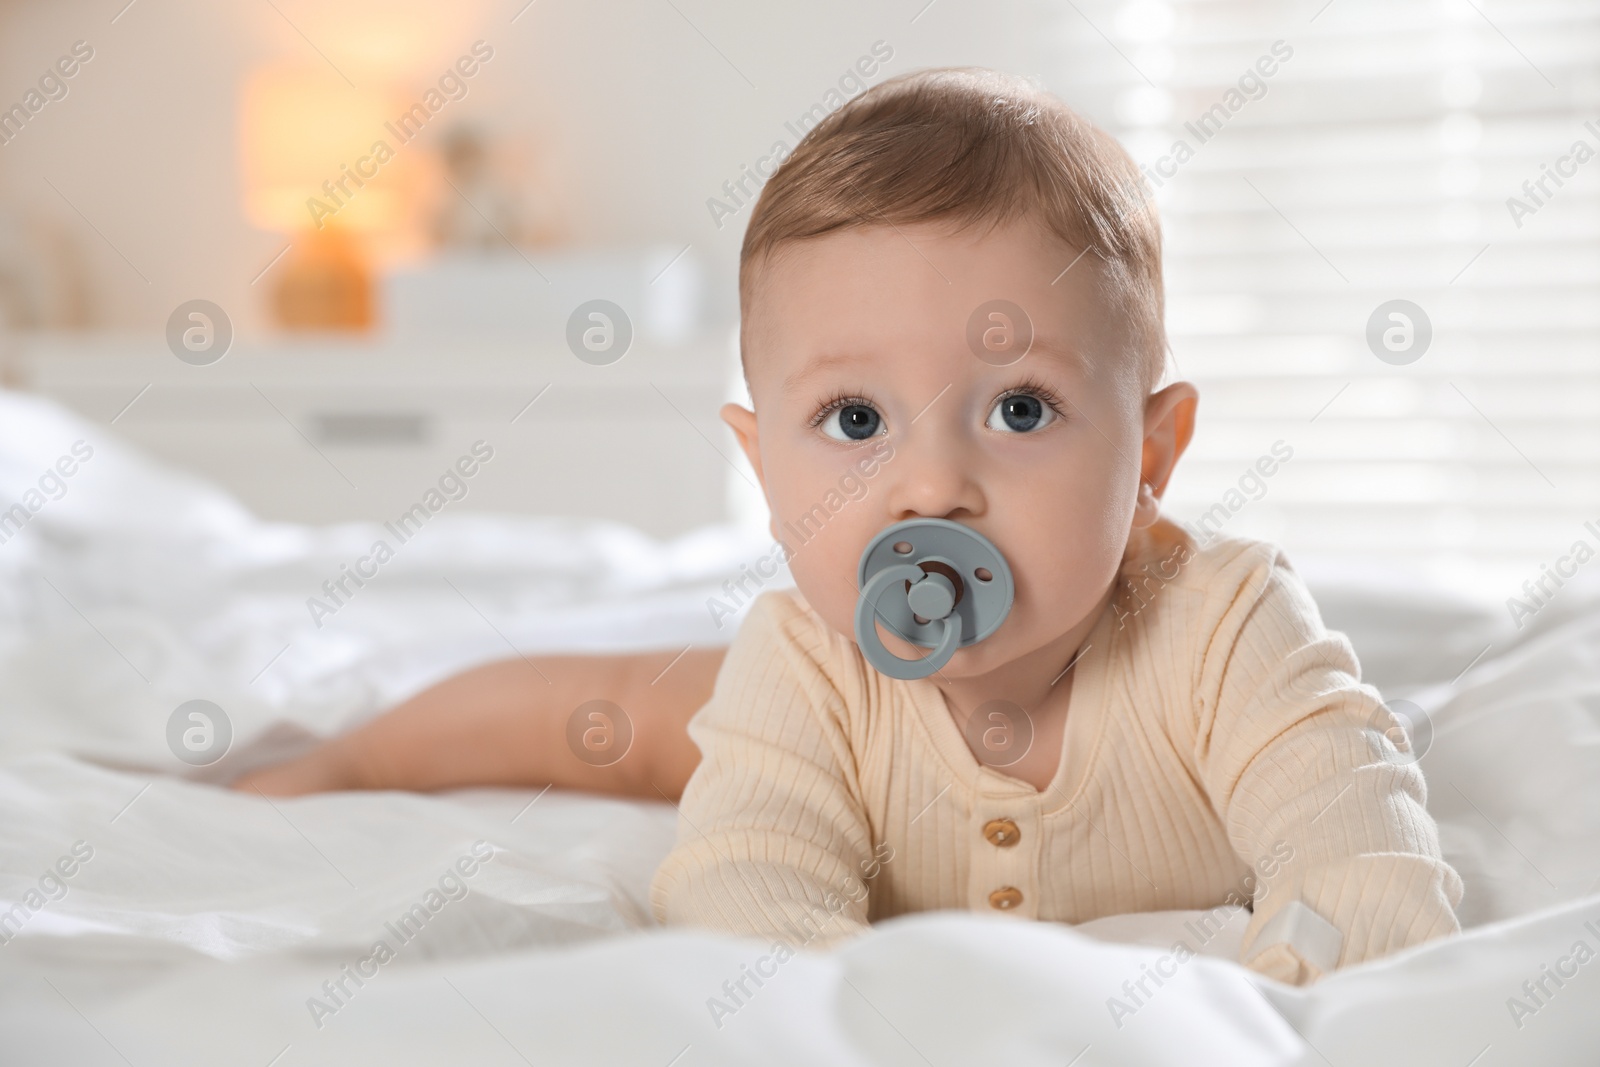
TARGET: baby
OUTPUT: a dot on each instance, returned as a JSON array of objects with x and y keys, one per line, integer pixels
[{"x": 951, "y": 294}]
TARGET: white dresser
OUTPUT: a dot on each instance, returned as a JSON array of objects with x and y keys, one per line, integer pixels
[{"x": 330, "y": 429}]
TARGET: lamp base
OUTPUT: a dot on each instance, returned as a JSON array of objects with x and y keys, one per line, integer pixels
[{"x": 324, "y": 284}]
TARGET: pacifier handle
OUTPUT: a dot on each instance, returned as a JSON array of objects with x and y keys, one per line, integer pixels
[{"x": 928, "y": 589}]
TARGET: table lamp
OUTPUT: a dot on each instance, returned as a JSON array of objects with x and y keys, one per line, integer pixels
[{"x": 312, "y": 170}]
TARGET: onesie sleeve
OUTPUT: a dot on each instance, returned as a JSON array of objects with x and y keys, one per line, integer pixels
[
  {"x": 1329, "y": 815},
  {"x": 772, "y": 837}
]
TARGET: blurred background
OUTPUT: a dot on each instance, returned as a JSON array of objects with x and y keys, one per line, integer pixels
[{"x": 395, "y": 211}]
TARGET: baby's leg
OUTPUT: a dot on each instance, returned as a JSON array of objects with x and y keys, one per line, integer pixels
[{"x": 506, "y": 723}]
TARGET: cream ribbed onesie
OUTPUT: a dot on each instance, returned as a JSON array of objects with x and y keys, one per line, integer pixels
[{"x": 1219, "y": 748}]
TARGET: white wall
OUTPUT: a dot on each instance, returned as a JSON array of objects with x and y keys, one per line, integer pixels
[{"x": 645, "y": 118}]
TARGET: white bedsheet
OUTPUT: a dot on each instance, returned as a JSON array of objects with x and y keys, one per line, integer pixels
[{"x": 205, "y": 924}]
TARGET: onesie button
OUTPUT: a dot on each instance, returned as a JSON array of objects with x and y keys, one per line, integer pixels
[
  {"x": 1001, "y": 833},
  {"x": 1005, "y": 899}
]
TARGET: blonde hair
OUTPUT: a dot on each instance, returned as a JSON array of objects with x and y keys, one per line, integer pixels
[{"x": 970, "y": 146}]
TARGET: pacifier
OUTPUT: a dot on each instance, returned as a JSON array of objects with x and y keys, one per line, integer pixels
[{"x": 936, "y": 584}]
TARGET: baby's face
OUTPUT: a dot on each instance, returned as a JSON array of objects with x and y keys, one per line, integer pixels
[{"x": 857, "y": 347}]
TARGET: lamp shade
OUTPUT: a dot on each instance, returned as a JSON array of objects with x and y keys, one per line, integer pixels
[{"x": 306, "y": 137}]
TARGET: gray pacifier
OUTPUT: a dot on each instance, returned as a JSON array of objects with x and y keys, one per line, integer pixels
[{"x": 936, "y": 584}]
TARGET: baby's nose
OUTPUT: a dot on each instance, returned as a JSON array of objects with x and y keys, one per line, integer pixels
[{"x": 932, "y": 476}]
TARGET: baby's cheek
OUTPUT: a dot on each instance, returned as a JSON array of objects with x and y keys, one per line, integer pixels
[
  {"x": 1065, "y": 552},
  {"x": 830, "y": 591},
  {"x": 825, "y": 549}
]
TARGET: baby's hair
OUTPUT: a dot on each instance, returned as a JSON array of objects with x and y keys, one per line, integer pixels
[{"x": 971, "y": 146}]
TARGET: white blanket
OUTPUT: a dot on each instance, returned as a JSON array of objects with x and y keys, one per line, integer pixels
[{"x": 207, "y": 927}]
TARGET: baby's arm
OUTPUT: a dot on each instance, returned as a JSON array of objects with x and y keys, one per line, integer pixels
[
  {"x": 772, "y": 839},
  {"x": 505, "y": 724},
  {"x": 1327, "y": 812}
]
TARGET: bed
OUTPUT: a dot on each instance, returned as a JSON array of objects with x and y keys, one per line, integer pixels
[{"x": 200, "y": 926}]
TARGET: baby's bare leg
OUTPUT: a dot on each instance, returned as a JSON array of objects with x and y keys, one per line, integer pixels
[{"x": 507, "y": 723}]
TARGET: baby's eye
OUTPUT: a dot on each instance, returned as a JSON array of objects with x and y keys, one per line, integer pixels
[
  {"x": 1020, "y": 413},
  {"x": 852, "y": 422}
]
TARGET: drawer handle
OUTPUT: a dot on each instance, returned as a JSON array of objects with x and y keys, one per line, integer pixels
[{"x": 371, "y": 427}]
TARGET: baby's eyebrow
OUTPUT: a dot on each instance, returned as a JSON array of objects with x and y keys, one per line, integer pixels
[
  {"x": 817, "y": 366},
  {"x": 1068, "y": 356}
]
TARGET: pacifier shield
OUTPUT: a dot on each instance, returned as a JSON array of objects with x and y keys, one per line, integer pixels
[{"x": 949, "y": 581}]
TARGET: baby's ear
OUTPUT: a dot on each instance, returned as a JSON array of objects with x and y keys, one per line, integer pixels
[
  {"x": 742, "y": 421},
  {"x": 1168, "y": 427}
]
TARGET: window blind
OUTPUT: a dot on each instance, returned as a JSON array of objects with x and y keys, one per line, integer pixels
[{"x": 1342, "y": 156}]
